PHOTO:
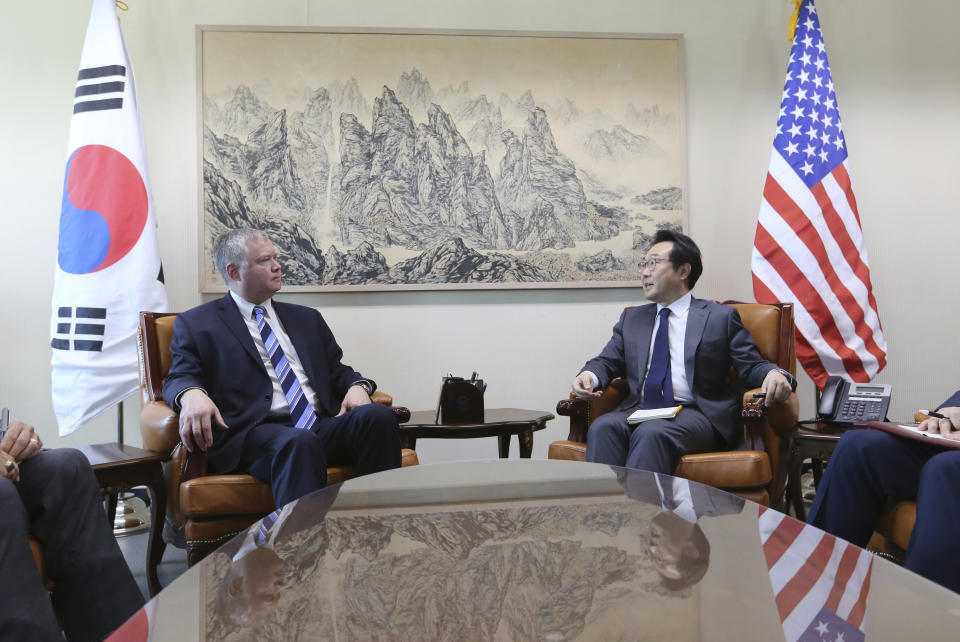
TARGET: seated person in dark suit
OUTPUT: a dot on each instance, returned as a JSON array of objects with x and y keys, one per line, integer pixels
[
  {"x": 53, "y": 497},
  {"x": 870, "y": 469},
  {"x": 676, "y": 350},
  {"x": 260, "y": 384}
]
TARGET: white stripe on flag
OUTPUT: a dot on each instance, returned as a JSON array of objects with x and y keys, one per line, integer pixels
[
  {"x": 794, "y": 558},
  {"x": 855, "y": 584},
  {"x": 805, "y": 324},
  {"x": 799, "y": 619}
]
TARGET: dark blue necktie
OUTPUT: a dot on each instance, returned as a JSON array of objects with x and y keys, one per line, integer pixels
[
  {"x": 658, "y": 386},
  {"x": 301, "y": 412}
]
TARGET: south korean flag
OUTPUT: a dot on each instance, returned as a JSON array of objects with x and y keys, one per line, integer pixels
[{"x": 108, "y": 264}]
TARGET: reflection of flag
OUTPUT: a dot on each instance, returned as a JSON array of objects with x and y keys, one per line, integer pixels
[
  {"x": 108, "y": 265},
  {"x": 820, "y": 583},
  {"x": 809, "y": 247},
  {"x": 139, "y": 627}
]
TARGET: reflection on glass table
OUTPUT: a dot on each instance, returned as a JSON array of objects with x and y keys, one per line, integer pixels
[{"x": 540, "y": 550}]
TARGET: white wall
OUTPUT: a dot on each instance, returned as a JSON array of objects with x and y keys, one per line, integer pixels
[{"x": 895, "y": 66}]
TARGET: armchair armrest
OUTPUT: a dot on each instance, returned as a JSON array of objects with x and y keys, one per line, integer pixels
[
  {"x": 159, "y": 427},
  {"x": 781, "y": 418},
  {"x": 582, "y": 412}
]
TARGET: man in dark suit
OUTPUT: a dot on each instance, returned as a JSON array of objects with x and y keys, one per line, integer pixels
[
  {"x": 53, "y": 496},
  {"x": 869, "y": 469},
  {"x": 677, "y": 350},
  {"x": 283, "y": 429}
]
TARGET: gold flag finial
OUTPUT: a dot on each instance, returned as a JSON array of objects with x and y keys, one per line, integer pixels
[
  {"x": 121, "y": 5},
  {"x": 793, "y": 19}
]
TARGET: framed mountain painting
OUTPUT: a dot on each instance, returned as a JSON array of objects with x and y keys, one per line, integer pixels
[{"x": 454, "y": 160}]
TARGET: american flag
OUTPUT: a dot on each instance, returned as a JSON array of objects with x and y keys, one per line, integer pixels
[
  {"x": 820, "y": 583},
  {"x": 809, "y": 247}
]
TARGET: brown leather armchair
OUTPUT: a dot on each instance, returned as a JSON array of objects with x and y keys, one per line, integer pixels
[
  {"x": 759, "y": 473},
  {"x": 203, "y": 511}
]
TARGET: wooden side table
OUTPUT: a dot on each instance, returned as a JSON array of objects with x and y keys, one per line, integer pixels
[
  {"x": 815, "y": 442},
  {"x": 118, "y": 468},
  {"x": 501, "y": 423}
]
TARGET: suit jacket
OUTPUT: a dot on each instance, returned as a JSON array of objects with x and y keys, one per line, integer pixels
[
  {"x": 212, "y": 349},
  {"x": 715, "y": 340}
]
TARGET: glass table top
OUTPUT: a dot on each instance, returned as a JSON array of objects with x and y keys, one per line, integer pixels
[{"x": 539, "y": 550}]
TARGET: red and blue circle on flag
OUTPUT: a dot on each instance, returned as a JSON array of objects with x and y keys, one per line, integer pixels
[{"x": 103, "y": 212}]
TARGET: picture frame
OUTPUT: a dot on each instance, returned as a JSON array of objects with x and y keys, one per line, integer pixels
[{"x": 425, "y": 160}]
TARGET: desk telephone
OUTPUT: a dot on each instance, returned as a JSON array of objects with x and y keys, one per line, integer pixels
[{"x": 842, "y": 402}]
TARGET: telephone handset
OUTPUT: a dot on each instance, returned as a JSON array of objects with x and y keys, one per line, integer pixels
[{"x": 842, "y": 402}]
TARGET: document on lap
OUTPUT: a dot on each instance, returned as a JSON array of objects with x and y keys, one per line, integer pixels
[
  {"x": 646, "y": 414},
  {"x": 910, "y": 431}
]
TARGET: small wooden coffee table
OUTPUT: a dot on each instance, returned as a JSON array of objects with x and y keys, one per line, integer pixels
[
  {"x": 501, "y": 423},
  {"x": 118, "y": 468}
]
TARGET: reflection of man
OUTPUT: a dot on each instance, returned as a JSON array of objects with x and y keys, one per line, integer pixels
[
  {"x": 54, "y": 497},
  {"x": 261, "y": 385},
  {"x": 255, "y": 581},
  {"x": 678, "y": 351},
  {"x": 680, "y": 550},
  {"x": 869, "y": 469}
]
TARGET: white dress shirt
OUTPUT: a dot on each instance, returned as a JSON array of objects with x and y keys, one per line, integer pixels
[{"x": 676, "y": 335}]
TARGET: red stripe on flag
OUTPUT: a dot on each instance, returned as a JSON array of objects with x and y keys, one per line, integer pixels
[
  {"x": 811, "y": 301},
  {"x": 859, "y": 609},
  {"x": 781, "y": 539},
  {"x": 843, "y": 180},
  {"x": 811, "y": 361},
  {"x": 808, "y": 574},
  {"x": 807, "y": 233},
  {"x": 851, "y": 255},
  {"x": 848, "y": 562}
]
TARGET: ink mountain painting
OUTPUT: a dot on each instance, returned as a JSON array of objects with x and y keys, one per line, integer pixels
[{"x": 386, "y": 161}]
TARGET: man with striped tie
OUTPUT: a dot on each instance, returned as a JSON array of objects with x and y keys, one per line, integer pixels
[{"x": 260, "y": 384}]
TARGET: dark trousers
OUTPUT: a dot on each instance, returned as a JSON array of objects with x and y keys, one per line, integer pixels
[
  {"x": 57, "y": 501},
  {"x": 868, "y": 470},
  {"x": 294, "y": 462},
  {"x": 656, "y": 445}
]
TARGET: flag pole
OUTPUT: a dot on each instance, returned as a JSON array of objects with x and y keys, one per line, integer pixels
[{"x": 120, "y": 422}]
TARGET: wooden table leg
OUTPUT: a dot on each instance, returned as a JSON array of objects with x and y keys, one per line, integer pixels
[
  {"x": 526, "y": 443},
  {"x": 504, "y": 446},
  {"x": 158, "y": 513}
]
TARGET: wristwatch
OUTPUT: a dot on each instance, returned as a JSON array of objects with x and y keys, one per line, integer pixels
[
  {"x": 790, "y": 378},
  {"x": 366, "y": 384}
]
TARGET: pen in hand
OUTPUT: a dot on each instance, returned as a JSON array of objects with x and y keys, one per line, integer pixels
[
  {"x": 933, "y": 414},
  {"x": 4, "y": 421}
]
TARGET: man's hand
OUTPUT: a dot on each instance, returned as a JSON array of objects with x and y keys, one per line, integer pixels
[
  {"x": 949, "y": 426},
  {"x": 198, "y": 416},
  {"x": 21, "y": 441},
  {"x": 356, "y": 396},
  {"x": 777, "y": 387},
  {"x": 583, "y": 386}
]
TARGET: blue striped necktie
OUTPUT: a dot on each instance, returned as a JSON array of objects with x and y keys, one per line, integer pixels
[
  {"x": 264, "y": 531},
  {"x": 300, "y": 409}
]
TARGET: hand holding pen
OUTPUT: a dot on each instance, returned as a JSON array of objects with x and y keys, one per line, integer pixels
[{"x": 944, "y": 421}]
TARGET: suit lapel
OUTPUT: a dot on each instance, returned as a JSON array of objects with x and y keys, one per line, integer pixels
[
  {"x": 696, "y": 321},
  {"x": 644, "y": 330},
  {"x": 295, "y": 332},
  {"x": 233, "y": 320}
]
